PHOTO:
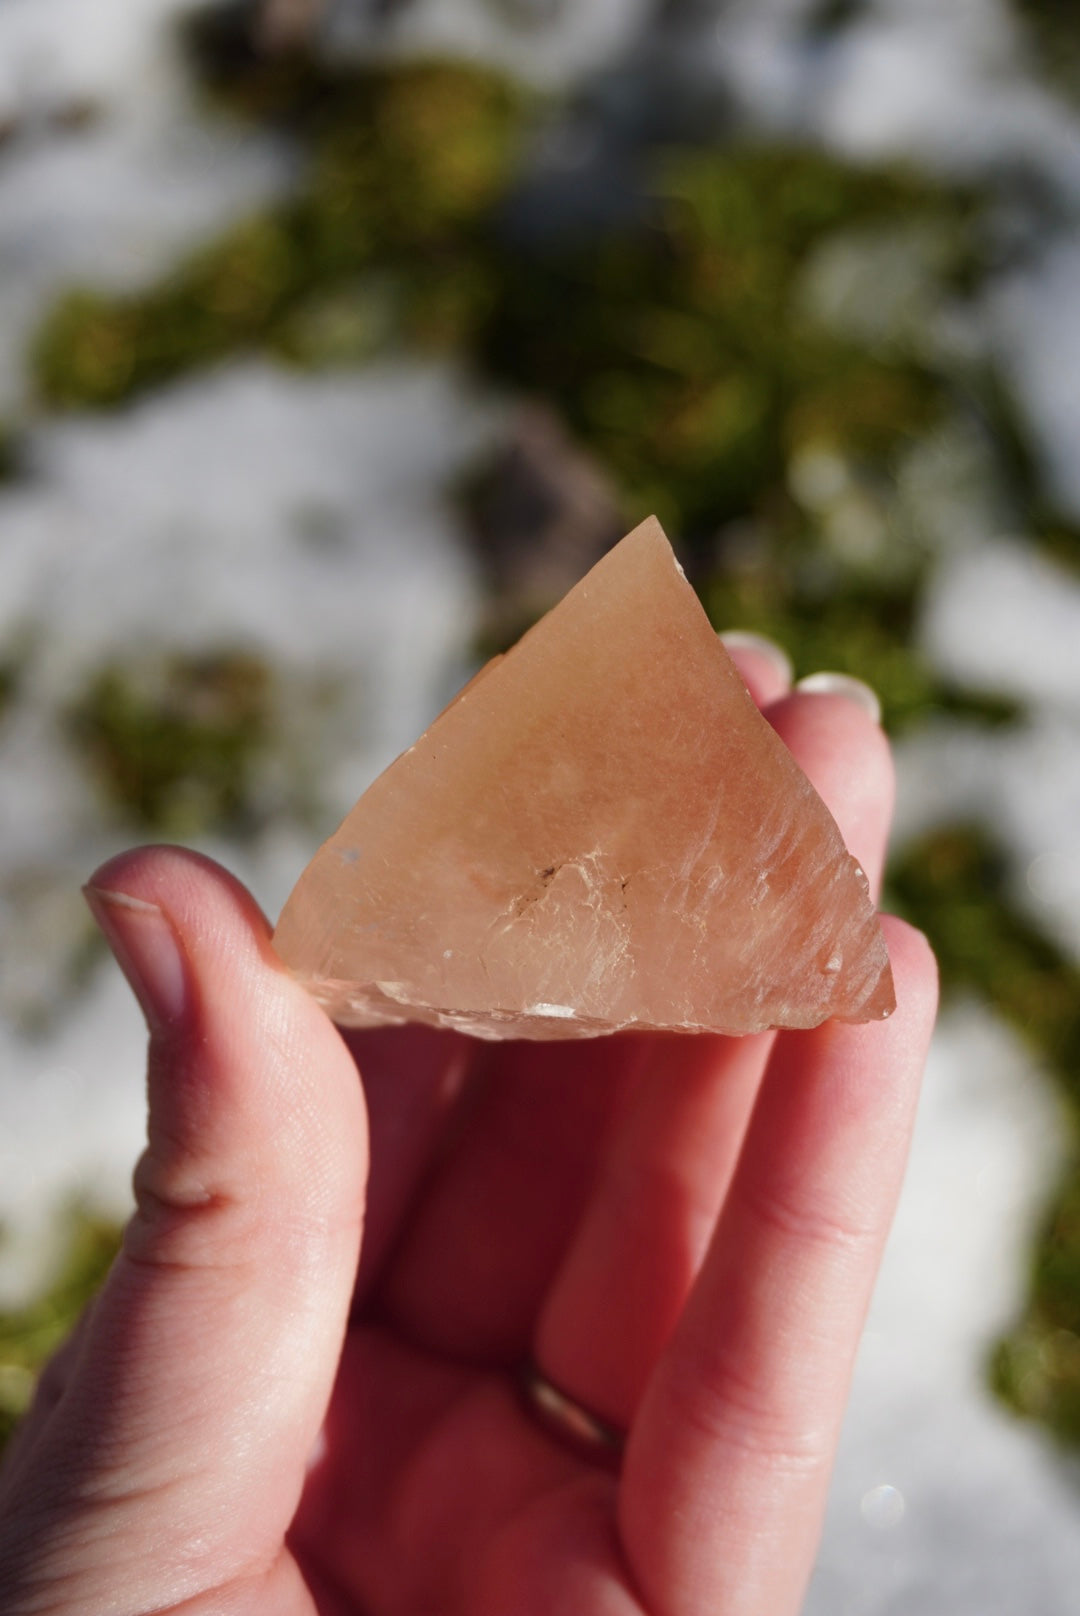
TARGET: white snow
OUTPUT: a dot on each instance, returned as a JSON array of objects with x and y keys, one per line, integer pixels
[
  {"x": 948, "y": 86},
  {"x": 945, "y": 84},
  {"x": 548, "y": 42},
  {"x": 941, "y": 1505},
  {"x": 73, "y": 1126},
  {"x": 300, "y": 516},
  {"x": 1003, "y": 617},
  {"x": 1037, "y": 337}
]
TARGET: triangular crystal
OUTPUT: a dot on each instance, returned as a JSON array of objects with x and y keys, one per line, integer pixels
[{"x": 600, "y": 832}]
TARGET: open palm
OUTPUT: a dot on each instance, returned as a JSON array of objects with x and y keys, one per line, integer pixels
[{"x": 682, "y": 1233}]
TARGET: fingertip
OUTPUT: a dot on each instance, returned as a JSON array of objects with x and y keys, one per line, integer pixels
[
  {"x": 843, "y": 684},
  {"x": 250, "y": 1084},
  {"x": 147, "y": 949},
  {"x": 764, "y": 666},
  {"x": 219, "y": 929},
  {"x": 830, "y": 721},
  {"x": 180, "y": 882}
]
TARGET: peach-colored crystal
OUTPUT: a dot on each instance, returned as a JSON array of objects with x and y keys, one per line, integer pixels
[{"x": 600, "y": 832}]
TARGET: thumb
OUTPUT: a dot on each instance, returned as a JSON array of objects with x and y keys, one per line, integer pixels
[{"x": 202, "y": 1376}]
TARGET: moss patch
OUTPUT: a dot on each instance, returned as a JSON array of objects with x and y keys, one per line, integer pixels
[
  {"x": 9, "y": 453},
  {"x": 681, "y": 354},
  {"x": 176, "y": 744},
  {"x": 828, "y": 17},
  {"x": 9, "y": 682},
  {"x": 1054, "y": 29},
  {"x": 381, "y": 240}
]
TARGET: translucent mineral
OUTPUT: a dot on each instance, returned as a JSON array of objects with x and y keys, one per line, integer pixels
[{"x": 601, "y": 832}]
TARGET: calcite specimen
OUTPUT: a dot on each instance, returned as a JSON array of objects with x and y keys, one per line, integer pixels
[{"x": 600, "y": 832}]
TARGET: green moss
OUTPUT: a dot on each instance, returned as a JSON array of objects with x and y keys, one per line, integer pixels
[
  {"x": 176, "y": 745},
  {"x": 957, "y": 885},
  {"x": 681, "y": 356},
  {"x": 9, "y": 684},
  {"x": 1036, "y": 1371},
  {"x": 220, "y": 45},
  {"x": 31, "y": 1334},
  {"x": 379, "y": 244},
  {"x": 1059, "y": 539},
  {"x": 678, "y": 353},
  {"x": 1053, "y": 27},
  {"x": 15, "y": 655},
  {"x": 828, "y": 17},
  {"x": 9, "y": 457},
  {"x": 862, "y": 630}
]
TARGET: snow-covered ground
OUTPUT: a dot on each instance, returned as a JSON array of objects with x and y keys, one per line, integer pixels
[
  {"x": 942, "y": 1506},
  {"x": 945, "y": 84},
  {"x": 545, "y": 41},
  {"x": 304, "y": 518}
]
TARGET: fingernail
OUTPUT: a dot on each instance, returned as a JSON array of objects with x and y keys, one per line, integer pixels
[
  {"x": 146, "y": 950},
  {"x": 741, "y": 639},
  {"x": 842, "y": 684}
]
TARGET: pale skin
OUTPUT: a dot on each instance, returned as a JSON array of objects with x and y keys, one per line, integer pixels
[{"x": 684, "y": 1234}]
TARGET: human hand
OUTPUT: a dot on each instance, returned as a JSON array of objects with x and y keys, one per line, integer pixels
[{"x": 683, "y": 1234}]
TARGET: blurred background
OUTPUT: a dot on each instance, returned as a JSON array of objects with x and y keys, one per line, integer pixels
[{"x": 339, "y": 337}]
